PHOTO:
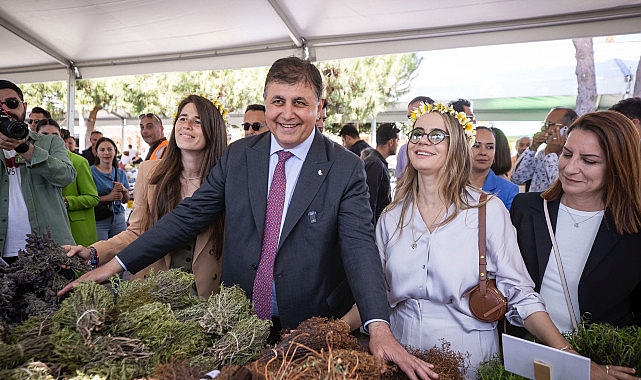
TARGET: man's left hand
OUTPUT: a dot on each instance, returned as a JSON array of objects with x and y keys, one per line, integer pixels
[
  {"x": 7, "y": 143},
  {"x": 555, "y": 141},
  {"x": 382, "y": 344}
]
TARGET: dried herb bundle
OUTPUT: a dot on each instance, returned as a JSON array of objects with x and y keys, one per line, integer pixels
[
  {"x": 323, "y": 349},
  {"x": 238, "y": 335},
  {"x": 95, "y": 334},
  {"x": 167, "y": 287},
  {"x": 28, "y": 287},
  {"x": 449, "y": 364}
]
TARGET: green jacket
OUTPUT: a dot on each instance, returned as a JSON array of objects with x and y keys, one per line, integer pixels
[
  {"x": 42, "y": 181},
  {"x": 82, "y": 196}
]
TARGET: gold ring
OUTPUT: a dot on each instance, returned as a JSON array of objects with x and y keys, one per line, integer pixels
[{"x": 607, "y": 369}]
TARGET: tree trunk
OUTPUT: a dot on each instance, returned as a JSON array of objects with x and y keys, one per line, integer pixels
[
  {"x": 90, "y": 123},
  {"x": 586, "y": 78},
  {"x": 637, "y": 81}
]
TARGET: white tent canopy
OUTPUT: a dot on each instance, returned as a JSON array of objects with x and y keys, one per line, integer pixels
[{"x": 66, "y": 39}]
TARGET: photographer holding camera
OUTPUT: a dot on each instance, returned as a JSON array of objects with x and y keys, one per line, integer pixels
[{"x": 35, "y": 169}]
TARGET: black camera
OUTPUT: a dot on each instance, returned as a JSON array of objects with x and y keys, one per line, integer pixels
[{"x": 12, "y": 129}]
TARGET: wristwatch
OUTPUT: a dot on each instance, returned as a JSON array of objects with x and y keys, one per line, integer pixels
[{"x": 22, "y": 148}]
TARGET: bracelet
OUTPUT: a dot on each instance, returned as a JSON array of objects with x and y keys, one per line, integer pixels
[
  {"x": 566, "y": 348},
  {"x": 94, "y": 260}
]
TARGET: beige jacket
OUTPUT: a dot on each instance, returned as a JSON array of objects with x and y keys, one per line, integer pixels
[{"x": 205, "y": 266}]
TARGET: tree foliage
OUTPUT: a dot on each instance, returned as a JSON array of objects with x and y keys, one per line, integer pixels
[{"x": 357, "y": 89}]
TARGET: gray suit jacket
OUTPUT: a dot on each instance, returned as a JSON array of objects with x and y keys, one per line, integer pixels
[{"x": 327, "y": 255}]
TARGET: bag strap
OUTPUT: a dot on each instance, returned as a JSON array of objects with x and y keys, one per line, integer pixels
[
  {"x": 559, "y": 265},
  {"x": 482, "y": 246}
]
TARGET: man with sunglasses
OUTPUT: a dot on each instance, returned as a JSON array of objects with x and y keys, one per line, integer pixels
[
  {"x": 37, "y": 114},
  {"x": 151, "y": 130},
  {"x": 541, "y": 168},
  {"x": 254, "y": 122},
  {"x": 34, "y": 171}
]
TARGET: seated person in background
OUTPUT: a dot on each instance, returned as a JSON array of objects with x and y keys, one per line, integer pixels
[
  {"x": 81, "y": 195},
  {"x": 254, "y": 120},
  {"x": 197, "y": 142},
  {"x": 483, "y": 154},
  {"x": 542, "y": 167},
  {"x": 34, "y": 171},
  {"x": 125, "y": 159},
  {"x": 352, "y": 140}
]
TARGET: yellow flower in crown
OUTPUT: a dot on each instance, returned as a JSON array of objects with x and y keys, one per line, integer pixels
[
  {"x": 223, "y": 112},
  {"x": 424, "y": 108}
]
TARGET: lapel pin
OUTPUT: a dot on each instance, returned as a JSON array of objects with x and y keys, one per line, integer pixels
[{"x": 320, "y": 172}]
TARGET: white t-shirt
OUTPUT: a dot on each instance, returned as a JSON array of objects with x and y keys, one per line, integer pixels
[
  {"x": 18, "y": 219},
  {"x": 574, "y": 244}
]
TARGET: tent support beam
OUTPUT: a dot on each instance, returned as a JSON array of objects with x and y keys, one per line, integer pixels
[
  {"x": 20, "y": 33},
  {"x": 289, "y": 25}
]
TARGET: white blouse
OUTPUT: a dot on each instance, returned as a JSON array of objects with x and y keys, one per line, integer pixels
[{"x": 444, "y": 264}]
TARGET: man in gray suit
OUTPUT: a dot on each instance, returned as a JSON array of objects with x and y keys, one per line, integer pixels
[{"x": 326, "y": 253}]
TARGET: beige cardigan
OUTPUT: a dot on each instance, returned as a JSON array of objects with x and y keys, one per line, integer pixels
[{"x": 205, "y": 266}]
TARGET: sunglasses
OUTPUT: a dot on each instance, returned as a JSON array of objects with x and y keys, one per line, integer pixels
[
  {"x": 33, "y": 121},
  {"x": 435, "y": 136},
  {"x": 11, "y": 103},
  {"x": 153, "y": 115},
  {"x": 255, "y": 126}
]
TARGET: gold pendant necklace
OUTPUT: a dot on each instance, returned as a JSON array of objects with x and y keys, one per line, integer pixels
[{"x": 414, "y": 242}]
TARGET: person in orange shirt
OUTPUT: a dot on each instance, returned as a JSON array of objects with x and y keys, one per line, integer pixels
[{"x": 151, "y": 131}]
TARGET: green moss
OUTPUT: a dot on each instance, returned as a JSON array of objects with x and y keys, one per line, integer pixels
[{"x": 606, "y": 344}]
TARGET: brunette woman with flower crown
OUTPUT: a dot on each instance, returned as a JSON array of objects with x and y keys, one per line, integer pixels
[
  {"x": 427, "y": 240},
  {"x": 197, "y": 142}
]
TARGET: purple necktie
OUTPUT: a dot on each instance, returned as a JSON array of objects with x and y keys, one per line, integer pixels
[{"x": 262, "y": 294}]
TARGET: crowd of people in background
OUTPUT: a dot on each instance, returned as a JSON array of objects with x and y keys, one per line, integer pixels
[{"x": 307, "y": 227}]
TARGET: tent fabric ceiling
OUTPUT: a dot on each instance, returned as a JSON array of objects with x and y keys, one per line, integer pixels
[{"x": 45, "y": 40}]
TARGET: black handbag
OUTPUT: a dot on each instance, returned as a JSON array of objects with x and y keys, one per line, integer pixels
[{"x": 103, "y": 210}]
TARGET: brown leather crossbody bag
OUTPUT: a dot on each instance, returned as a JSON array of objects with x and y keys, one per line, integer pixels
[{"x": 487, "y": 303}]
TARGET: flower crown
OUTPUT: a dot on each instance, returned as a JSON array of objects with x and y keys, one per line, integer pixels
[
  {"x": 223, "y": 112},
  {"x": 424, "y": 108}
]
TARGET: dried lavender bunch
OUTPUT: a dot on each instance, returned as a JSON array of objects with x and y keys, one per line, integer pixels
[{"x": 28, "y": 287}]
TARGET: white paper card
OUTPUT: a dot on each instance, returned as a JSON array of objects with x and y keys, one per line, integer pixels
[{"x": 519, "y": 356}]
